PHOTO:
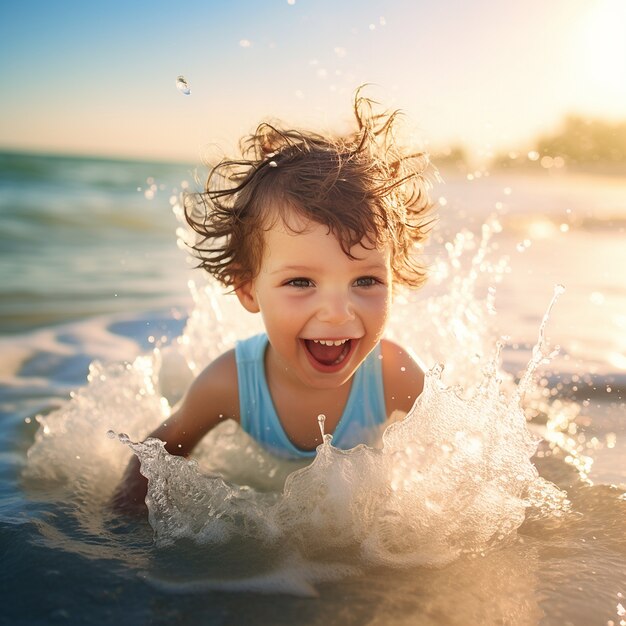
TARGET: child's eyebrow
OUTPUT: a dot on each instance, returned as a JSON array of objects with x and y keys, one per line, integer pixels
[
  {"x": 293, "y": 268},
  {"x": 372, "y": 267}
]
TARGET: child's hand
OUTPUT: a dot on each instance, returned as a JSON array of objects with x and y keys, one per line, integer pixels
[{"x": 130, "y": 495}]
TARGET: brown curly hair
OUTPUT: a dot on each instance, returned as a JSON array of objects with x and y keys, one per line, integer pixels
[{"x": 362, "y": 186}]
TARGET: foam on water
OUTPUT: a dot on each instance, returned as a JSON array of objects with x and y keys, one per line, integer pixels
[{"x": 453, "y": 477}]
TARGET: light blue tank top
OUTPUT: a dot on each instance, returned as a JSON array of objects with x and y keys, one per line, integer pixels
[{"x": 363, "y": 413}]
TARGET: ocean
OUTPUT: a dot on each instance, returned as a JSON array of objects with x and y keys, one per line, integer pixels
[{"x": 486, "y": 506}]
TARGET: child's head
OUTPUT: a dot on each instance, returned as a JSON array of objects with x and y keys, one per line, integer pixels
[{"x": 363, "y": 187}]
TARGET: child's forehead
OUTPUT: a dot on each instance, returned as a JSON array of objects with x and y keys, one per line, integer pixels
[
  {"x": 299, "y": 234},
  {"x": 290, "y": 221}
]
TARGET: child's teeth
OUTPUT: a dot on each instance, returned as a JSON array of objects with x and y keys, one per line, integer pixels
[{"x": 330, "y": 342}]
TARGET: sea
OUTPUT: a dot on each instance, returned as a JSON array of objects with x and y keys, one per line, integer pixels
[{"x": 499, "y": 499}]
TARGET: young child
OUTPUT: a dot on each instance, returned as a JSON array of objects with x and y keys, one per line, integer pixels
[{"x": 313, "y": 233}]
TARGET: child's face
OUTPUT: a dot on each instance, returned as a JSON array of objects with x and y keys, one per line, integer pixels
[{"x": 310, "y": 294}]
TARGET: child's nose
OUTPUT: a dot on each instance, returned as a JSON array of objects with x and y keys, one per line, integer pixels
[{"x": 336, "y": 308}]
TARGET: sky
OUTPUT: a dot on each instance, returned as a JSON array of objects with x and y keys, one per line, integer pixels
[{"x": 100, "y": 78}]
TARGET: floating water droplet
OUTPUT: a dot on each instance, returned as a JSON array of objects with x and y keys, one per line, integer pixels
[
  {"x": 111, "y": 434},
  {"x": 183, "y": 86},
  {"x": 321, "y": 419}
]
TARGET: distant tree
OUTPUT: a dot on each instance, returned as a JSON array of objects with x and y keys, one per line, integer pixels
[
  {"x": 452, "y": 156},
  {"x": 586, "y": 141}
]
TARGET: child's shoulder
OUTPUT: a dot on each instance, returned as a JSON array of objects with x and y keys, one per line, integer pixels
[
  {"x": 216, "y": 386},
  {"x": 403, "y": 378},
  {"x": 222, "y": 368}
]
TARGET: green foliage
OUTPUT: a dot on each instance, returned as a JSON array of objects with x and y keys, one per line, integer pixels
[
  {"x": 586, "y": 141},
  {"x": 452, "y": 156}
]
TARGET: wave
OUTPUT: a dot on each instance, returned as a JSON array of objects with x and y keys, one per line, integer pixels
[
  {"x": 28, "y": 222},
  {"x": 97, "y": 172}
]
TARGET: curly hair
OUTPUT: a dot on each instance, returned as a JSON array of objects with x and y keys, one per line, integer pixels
[{"x": 362, "y": 186}]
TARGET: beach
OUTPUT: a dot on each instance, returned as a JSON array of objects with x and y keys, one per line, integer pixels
[{"x": 92, "y": 270}]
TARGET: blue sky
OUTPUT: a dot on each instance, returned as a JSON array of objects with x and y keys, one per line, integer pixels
[{"x": 100, "y": 78}]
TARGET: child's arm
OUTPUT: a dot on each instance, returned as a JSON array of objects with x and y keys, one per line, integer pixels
[
  {"x": 212, "y": 398},
  {"x": 403, "y": 378}
]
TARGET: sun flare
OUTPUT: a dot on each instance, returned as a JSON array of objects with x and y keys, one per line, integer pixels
[{"x": 604, "y": 49}]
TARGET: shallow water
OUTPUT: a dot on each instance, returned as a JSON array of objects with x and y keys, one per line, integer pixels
[{"x": 448, "y": 522}]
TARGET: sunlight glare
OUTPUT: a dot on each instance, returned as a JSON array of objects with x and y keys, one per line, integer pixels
[{"x": 604, "y": 49}]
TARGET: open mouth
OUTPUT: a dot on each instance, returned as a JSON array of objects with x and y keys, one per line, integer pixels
[{"x": 328, "y": 354}]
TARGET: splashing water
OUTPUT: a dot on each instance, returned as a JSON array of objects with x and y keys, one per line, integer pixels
[
  {"x": 183, "y": 86},
  {"x": 453, "y": 477}
]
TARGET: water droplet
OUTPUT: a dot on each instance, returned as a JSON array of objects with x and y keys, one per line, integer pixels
[
  {"x": 111, "y": 434},
  {"x": 183, "y": 86},
  {"x": 321, "y": 419}
]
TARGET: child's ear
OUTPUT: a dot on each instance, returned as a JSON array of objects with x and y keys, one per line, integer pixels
[{"x": 247, "y": 296}]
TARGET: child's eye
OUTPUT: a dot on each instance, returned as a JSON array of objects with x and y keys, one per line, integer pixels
[
  {"x": 366, "y": 281},
  {"x": 300, "y": 283}
]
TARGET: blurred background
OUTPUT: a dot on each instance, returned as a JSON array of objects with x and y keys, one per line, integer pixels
[
  {"x": 483, "y": 81},
  {"x": 109, "y": 110}
]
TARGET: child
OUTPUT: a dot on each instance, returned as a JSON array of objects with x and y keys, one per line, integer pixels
[{"x": 313, "y": 233}]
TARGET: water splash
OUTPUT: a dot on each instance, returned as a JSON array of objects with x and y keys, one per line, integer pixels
[
  {"x": 183, "y": 86},
  {"x": 453, "y": 477},
  {"x": 540, "y": 353}
]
